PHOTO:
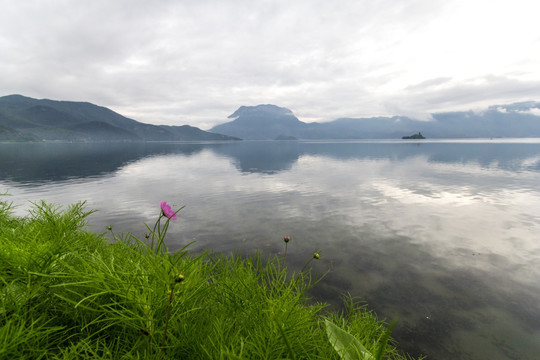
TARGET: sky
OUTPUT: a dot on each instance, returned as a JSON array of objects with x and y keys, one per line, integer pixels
[{"x": 195, "y": 62}]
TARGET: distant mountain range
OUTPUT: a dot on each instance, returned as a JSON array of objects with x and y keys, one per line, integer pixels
[
  {"x": 264, "y": 122},
  {"x": 27, "y": 119}
]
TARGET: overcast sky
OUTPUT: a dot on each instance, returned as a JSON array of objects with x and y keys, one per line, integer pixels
[{"x": 196, "y": 61}]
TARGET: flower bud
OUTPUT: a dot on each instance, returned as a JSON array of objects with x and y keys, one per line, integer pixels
[
  {"x": 316, "y": 256},
  {"x": 286, "y": 239},
  {"x": 179, "y": 278},
  {"x": 109, "y": 227}
]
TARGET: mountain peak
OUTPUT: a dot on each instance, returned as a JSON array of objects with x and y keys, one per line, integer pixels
[
  {"x": 267, "y": 109},
  {"x": 260, "y": 122}
]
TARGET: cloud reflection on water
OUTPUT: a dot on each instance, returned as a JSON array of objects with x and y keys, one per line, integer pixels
[{"x": 443, "y": 236}]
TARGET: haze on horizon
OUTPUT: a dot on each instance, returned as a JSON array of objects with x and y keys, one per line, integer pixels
[{"x": 175, "y": 63}]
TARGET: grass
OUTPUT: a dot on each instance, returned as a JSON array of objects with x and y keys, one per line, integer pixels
[{"x": 68, "y": 293}]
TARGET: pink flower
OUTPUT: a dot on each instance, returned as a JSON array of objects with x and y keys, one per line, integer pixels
[{"x": 167, "y": 210}]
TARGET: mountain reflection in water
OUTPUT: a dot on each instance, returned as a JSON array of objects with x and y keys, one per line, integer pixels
[{"x": 442, "y": 235}]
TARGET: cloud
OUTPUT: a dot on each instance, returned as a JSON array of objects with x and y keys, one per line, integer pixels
[
  {"x": 196, "y": 62},
  {"x": 469, "y": 94},
  {"x": 429, "y": 84},
  {"x": 533, "y": 111}
]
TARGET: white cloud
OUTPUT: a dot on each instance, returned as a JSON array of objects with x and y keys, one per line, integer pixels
[
  {"x": 534, "y": 111},
  {"x": 196, "y": 62}
]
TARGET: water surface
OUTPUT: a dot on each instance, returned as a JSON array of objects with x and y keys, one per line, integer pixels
[{"x": 443, "y": 235}]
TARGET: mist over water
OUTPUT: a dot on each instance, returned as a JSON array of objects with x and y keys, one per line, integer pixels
[{"x": 443, "y": 235}]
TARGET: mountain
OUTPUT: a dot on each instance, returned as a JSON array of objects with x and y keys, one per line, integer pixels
[
  {"x": 8, "y": 134},
  {"x": 27, "y": 119},
  {"x": 270, "y": 122},
  {"x": 186, "y": 132},
  {"x": 261, "y": 122}
]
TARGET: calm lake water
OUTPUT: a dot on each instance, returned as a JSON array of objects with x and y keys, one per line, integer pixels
[{"x": 442, "y": 235}]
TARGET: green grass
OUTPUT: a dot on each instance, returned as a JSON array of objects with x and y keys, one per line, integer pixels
[{"x": 68, "y": 293}]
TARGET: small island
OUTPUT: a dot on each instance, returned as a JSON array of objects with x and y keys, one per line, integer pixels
[{"x": 415, "y": 136}]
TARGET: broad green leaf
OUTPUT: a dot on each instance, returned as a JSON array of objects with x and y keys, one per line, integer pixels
[{"x": 346, "y": 345}]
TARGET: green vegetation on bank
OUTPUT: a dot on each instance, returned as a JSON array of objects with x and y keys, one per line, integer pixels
[{"x": 68, "y": 293}]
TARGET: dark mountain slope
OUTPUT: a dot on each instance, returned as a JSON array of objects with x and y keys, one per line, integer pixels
[
  {"x": 101, "y": 131},
  {"x": 190, "y": 133},
  {"x": 9, "y": 134},
  {"x": 43, "y": 115},
  {"x": 83, "y": 121}
]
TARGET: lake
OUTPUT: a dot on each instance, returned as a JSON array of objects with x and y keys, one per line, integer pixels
[{"x": 442, "y": 235}]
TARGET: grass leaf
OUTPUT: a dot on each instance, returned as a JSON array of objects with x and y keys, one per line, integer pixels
[{"x": 346, "y": 345}]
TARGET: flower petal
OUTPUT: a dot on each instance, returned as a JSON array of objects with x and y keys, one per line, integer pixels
[{"x": 167, "y": 210}]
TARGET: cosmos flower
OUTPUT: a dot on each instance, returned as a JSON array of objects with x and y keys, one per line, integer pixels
[{"x": 167, "y": 210}]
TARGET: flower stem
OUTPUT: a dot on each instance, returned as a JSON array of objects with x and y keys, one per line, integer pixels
[
  {"x": 315, "y": 256},
  {"x": 169, "y": 306},
  {"x": 158, "y": 221},
  {"x": 304, "y": 268}
]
